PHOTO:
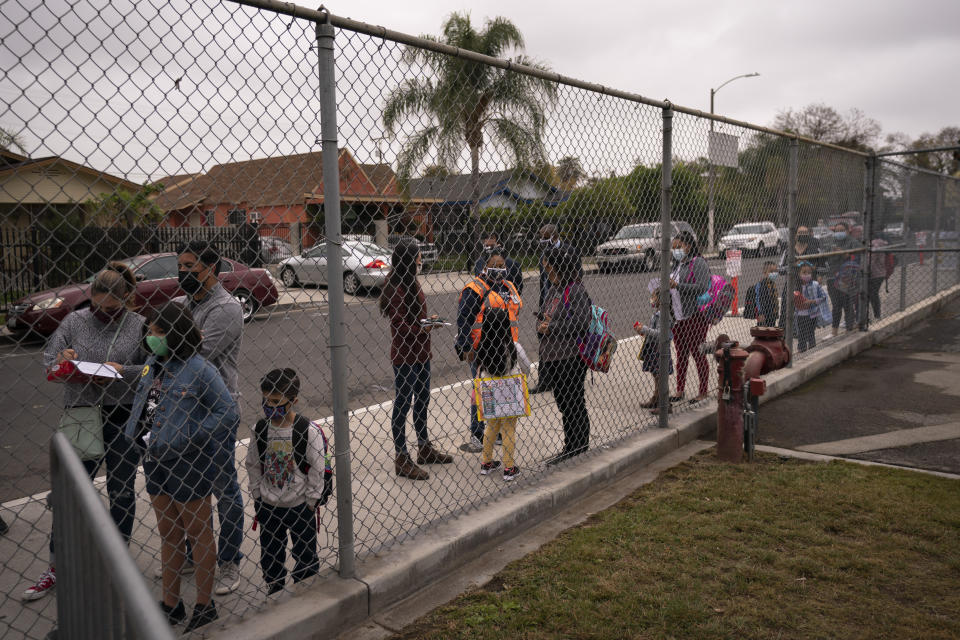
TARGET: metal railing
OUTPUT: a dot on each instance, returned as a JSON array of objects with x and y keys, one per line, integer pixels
[{"x": 101, "y": 592}]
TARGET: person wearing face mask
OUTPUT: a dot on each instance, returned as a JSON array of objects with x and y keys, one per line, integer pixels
[
  {"x": 106, "y": 332},
  {"x": 289, "y": 474},
  {"x": 691, "y": 277},
  {"x": 491, "y": 244},
  {"x": 549, "y": 238},
  {"x": 810, "y": 299},
  {"x": 491, "y": 289},
  {"x": 763, "y": 298},
  {"x": 181, "y": 408},
  {"x": 805, "y": 245},
  {"x": 219, "y": 317},
  {"x": 843, "y": 302}
]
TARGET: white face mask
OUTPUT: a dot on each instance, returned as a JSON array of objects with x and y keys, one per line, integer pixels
[{"x": 678, "y": 254}]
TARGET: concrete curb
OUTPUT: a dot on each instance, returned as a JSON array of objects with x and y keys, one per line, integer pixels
[{"x": 336, "y": 604}]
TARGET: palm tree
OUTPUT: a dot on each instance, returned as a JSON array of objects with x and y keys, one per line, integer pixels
[
  {"x": 464, "y": 103},
  {"x": 570, "y": 172}
]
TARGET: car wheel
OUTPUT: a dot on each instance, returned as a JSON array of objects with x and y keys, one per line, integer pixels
[
  {"x": 351, "y": 283},
  {"x": 648, "y": 262},
  {"x": 247, "y": 302},
  {"x": 288, "y": 277}
]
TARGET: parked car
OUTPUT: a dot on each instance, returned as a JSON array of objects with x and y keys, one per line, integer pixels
[
  {"x": 824, "y": 237},
  {"x": 157, "y": 283},
  {"x": 428, "y": 251},
  {"x": 274, "y": 249},
  {"x": 894, "y": 232},
  {"x": 365, "y": 265},
  {"x": 636, "y": 245},
  {"x": 756, "y": 237}
]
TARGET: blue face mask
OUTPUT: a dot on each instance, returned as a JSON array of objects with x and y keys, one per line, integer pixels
[
  {"x": 678, "y": 254},
  {"x": 773, "y": 275},
  {"x": 839, "y": 235},
  {"x": 275, "y": 413}
]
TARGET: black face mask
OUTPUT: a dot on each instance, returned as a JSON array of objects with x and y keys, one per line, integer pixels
[{"x": 189, "y": 282}]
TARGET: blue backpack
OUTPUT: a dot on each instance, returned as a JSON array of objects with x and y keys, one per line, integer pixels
[
  {"x": 847, "y": 278},
  {"x": 598, "y": 344}
]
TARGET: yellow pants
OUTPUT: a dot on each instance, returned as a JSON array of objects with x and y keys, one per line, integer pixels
[{"x": 507, "y": 427}]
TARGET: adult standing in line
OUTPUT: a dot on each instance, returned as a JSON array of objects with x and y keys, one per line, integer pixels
[
  {"x": 843, "y": 302},
  {"x": 219, "y": 317},
  {"x": 491, "y": 244},
  {"x": 403, "y": 302},
  {"x": 181, "y": 407},
  {"x": 490, "y": 289},
  {"x": 805, "y": 245},
  {"x": 566, "y": 318},
  {"x": 691, "y": 277},
  {"x": 549, "y": 239},
  {"x": 110, "y": 333}
]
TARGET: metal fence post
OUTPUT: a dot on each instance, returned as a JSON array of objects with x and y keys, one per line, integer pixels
[
  {"x": 788, "y": 310},
  {"x": 666, "y": 323},
  {"x": 863, "y": 301},
  {"x": 938, "y": 200},
  {"x": 338, "y": 342},
  {"x": 906, "y": 241}
]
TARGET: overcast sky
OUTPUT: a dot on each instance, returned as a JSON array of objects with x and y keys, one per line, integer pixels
[
  {"x": 95, "y": 80},
  {"x": 897, "y": 60}
]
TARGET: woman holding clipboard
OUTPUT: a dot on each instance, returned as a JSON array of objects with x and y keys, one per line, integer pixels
[
  {"x": 403, "y": 302},
  {"x": 106, "y": 332}
]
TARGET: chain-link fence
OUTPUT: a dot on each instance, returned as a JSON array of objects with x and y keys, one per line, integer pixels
[{"x": 480, "y": 212}]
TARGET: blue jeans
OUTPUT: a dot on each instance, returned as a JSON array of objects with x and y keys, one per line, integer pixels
[
  {"x": 226, "y": 489},
  {"x": 411, "y": 381},
  {"x": 476, "y": 426}
]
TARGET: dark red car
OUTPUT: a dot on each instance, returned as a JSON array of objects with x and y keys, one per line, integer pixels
[{"x": 156, "y": 284}]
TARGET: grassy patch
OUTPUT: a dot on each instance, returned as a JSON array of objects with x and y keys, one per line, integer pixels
[{"x": 777, "y": 549}]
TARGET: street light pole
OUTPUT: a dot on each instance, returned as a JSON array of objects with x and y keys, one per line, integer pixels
[{"x": 712, "y": 246}]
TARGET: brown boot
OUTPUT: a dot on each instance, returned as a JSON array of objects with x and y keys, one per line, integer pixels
[
  {"x": 428, "y": 455},
  {"x": 407, "y": 469}
]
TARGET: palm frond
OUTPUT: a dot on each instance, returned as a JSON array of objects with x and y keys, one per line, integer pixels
[
  {"x": 412, "y": 96},
  {"x": 414, "y": 151},
  {"x": 499, "y": 36}
]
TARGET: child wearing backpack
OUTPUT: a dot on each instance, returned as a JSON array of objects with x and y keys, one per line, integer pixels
[
  {"x": 809, "y": 308},
  {"x": 496, "y": 356},
  {"x": 650, "y": 352},
  {"x": 762, "y": 301},
  {"x": 289, "y": 479}
]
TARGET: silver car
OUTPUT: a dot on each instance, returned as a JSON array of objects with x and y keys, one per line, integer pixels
[
  {"x": 365, "y": 265},
  {"x": 636, "y": 245}
]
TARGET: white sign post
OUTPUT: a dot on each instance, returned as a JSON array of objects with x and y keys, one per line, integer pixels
[{"x": 734, "y": 266}]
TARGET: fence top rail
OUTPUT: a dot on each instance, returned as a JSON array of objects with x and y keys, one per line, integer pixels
[
  {"x": 830, "y": 254},
  {"x": 145, "y": 616},
  {"x": 884, "y": 158},
  {"x": 322, "y": 15}
]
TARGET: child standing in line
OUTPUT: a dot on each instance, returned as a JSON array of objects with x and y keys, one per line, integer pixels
[
  {"x": 497, "y": 356},
  {"x": 290, "y": 477},
  {"x": 650, "y": 352},
  {"x": 766, "y": 302},
  {"x": 810, "y": 299}
]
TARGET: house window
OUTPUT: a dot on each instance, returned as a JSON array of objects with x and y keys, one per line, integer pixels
[
  {"x": 209, "y": 218},
  {"x": 236, "y": 216}
]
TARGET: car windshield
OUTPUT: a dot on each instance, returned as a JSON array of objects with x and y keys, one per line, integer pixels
[
  {"x": 747, "y": 228},
  {"x": 640, "y": 231}
]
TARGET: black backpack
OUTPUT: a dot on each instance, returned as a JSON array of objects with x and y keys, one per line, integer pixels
[
  {"x": 750, "y": 303},
  {"x": 300, "y": 440}
]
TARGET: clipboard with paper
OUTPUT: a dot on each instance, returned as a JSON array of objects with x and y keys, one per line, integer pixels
[{"x": 502, "y": 397}]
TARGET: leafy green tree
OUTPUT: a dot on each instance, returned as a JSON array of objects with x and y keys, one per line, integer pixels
[
  {"x": 593, "y": 213},
  {"x": 465, "y": 105},
  {"x": 121, "y": 207},
  {"x": 570, "y": 172}
]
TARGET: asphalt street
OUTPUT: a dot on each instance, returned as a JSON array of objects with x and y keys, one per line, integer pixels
[{"x": 298, "y": 338}]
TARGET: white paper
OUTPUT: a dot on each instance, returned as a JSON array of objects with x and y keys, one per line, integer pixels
[{"x": 96, "y": 369}]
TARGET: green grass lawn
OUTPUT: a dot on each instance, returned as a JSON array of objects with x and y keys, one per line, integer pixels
[{"x": 777, "y": 549}]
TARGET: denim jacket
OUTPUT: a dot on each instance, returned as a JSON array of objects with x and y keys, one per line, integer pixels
[{"x": 194, "y": 410}]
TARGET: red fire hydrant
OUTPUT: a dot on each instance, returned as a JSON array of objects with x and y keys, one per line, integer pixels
[{"x": 741, "y": 384}]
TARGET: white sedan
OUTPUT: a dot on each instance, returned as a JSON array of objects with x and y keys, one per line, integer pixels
[
  {"x": 364, "y": 264},
  {"x": 756, "y": 237}
]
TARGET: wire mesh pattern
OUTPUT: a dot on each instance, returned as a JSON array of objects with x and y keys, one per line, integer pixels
[{"x": 494, "y": 225}]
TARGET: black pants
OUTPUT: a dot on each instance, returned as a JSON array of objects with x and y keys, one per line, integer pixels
[
  {"x": 873, "y": 294},
  {"x": 122, "y": 458},
  {"x": 566, "y": 379},
  {"x": 806, "y": 336},
  {"x": 842, "y": 303},
  {"x": 275, "y": 522}
]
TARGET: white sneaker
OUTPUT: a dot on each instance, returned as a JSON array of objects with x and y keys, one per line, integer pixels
[
  {"x": 46, "y": 583},
  {"x": 474, "y": 445},
  {"x": 229, "y": 579}
]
